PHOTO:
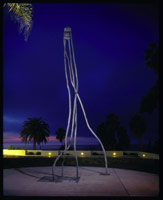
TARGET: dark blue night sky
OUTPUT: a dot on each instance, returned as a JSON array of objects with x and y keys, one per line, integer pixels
[{"x": 109, "y": 42}]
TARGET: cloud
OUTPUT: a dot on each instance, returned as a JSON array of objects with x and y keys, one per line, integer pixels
[
  {"x": 11, "y": 137},
  {"x": 12, "y": 140},
  {"x": 14, "y": 137}
]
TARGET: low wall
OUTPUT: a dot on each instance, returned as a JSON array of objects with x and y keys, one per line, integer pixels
[
  {"x": 148, "y": 155},
  {"x": 41, "y": 153},
  {"x": 108, "y": 153},
  {"x": 13, "y": 152},
  {"x": 114, "y": 154},
  {"x": 79, "y": 153}
]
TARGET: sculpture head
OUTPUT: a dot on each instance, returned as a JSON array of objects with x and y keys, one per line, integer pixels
[{"x": 67, "y": 33}]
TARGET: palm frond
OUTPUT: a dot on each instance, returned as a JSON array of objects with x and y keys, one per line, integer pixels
[{"x": 22, "y": 13}]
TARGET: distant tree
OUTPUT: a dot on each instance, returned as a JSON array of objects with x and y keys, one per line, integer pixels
[
  {"x": 10, "y": 147},
  {"x": 150, "y": 101},
  {"x": 123, "y": 139},
  {"x": 156, "y": 146},
  {"x": 151, "y": 57},
  {"x": 138, "y": 127},
  {"x": 60, "y": 134},
  {"x": 35, "y": 130},
  {"x": 14, "y": 147},
  {"x": 106, "y": 131},
  {"x": 149, "y": 146},
  {"x": 102, "y": 134}
]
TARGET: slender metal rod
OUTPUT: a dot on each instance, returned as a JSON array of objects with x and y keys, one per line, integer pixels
[
  {"x": 75, "y": 135},
  {"x": 76, "y": 73},
  {"x": 74, "y": 122}
]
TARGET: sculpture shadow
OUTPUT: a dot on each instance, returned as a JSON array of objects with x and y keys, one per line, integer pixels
[
  {"x": 58, "y": 179},
  {"x": 98, "y": 172}
]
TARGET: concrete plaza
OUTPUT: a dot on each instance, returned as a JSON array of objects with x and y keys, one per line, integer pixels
[{"x": 37, "y": 181}]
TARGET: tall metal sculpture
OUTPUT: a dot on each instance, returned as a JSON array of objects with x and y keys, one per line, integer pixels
[{"x": 71, "y": 70}]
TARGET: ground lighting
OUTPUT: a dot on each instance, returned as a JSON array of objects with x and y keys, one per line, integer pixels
[
  {"x": 82, "y": 154},
  {"x": 114, "y": 154},
  {"x": 143, "y": 155}
]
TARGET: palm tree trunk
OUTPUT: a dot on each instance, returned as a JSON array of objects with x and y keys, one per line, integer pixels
[
  {"x": 25, "y": 145},
  {"x": 140, "y": 143},
  {"x": 34, "y": 145}
]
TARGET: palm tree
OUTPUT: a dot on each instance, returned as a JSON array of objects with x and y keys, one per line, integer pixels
[
  {"x": 35, "y": 130},
  {"x": 24, "y": 139},
  {"x": 138, "y": 127},
  {"x": 60, "y": 134},
  {"x": 21, "y": 13}
]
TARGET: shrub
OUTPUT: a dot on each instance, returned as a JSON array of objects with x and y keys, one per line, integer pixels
[
  {"x": 30, "y": 153},
  {"x": 38, "y": 153},
  {"x": 12, "y": 147}
]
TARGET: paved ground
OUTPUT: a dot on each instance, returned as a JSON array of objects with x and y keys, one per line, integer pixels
[{"x": 37, "y": 181}]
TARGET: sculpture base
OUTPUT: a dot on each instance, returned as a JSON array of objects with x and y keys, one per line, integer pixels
[
  {"x": 105, "y": 174},
  {"x": 66, "y": 179}
]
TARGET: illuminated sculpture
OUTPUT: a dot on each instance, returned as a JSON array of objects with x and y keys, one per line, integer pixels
[{"x": 70, "y": 65}]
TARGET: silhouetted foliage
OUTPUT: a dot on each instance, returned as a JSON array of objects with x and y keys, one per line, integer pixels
[
  {"x": 38, "y": 153},
  {"x": 60, "y": 134},
  {"x": 138, "y": 127},
  {"x": 35, "y": 130},
  {"x": 22, "y": 14},
  {"x": 123, "y": 139},
  {"x": 149, "y": 146},
  {"x": 152, "y": 57},
  {"x": 10, "y": 147},
  {"x": 107, "y": 130},
  {"x": 30, "y": 153},
  {"x": 156, "y": 146},
  {"x": 150, "y": 101},
  {"x": 153, "y": 147}
]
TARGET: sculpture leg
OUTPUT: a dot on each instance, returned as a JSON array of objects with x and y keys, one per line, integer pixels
[
  {"x": 73, "y": 55},
  {"x": 73, "y": 129},
  {"x": 75, "y": 134},
  {"x": 74, "y": 124},
  {"x": 69, "y": 116},
  {"x": 106, "y": 165}
]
